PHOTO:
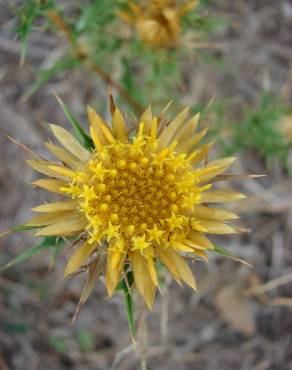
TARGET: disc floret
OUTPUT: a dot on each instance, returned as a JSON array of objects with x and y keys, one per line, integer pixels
[{"x": 134, "y": 196}]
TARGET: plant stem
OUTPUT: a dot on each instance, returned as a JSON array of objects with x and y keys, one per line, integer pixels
[
  {"x": 143, "y": 339},
  {"x": 164, "y": 312}
]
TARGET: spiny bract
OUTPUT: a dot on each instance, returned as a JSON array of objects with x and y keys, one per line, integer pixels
[
  {"x": 157, "y": 22},
  {"x": 134, "y": 201}
]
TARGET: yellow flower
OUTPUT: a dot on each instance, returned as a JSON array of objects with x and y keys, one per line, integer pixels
[
  {"x": 157, "y": 23},
  {"x": 134, "y": 201}
]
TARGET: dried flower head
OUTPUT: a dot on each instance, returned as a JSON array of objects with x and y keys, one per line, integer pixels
[
  {"x": 133, "y": 201},
  {"x": 285, "y": 126},
  {"x": 157, "y": 22}
]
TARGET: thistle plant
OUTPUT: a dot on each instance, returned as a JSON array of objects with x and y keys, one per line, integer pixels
[
  {"x": 133, "y": 203},
  {"x": 133, "y": 200}
]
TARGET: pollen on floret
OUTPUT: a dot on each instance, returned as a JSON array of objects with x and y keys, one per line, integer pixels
[
  {"x": 121, "y": 164},
  {"x": 144, "y": 161},
  {"x": 130, "y": 229},
  {"x": 101, "y": 188},
  {"x": 113, "y": 172},
  {"x": 170, "y": 178},
  {"x": 114, "y": 217},
  {"x": 133, "y": 166},
  {"x": 103, "y": 207}
]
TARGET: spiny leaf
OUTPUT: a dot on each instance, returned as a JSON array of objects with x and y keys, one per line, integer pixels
[
  {"x": 13, "y": 328},
  {"x": 67, "y": 62},
  {"x": 58, "y": 344},
  {"x": 229, "y": 255},
  {"x": 222, "y": 251},
  {"x": 125, "y": 286},
  {"x": 22, "y": 228},
  {"x": 85, "y": 340},
  {"x": 47, "y": 242},
  {"x": 17, "y": 229},
  {"x": 27, "y": 15},
  {"x": 129, "y": 305},
  {"x": 81, "y": 135},
  {"x": 55, "y": 253}
]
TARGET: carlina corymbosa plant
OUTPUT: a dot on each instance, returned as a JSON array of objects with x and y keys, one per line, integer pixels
[
  {"x": 133, "y": 201},
  {"x": 158, "y": 22}
]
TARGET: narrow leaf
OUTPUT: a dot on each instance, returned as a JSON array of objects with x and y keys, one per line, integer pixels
[
  {"x": 55, "y": 253},
  {"x": 125, "y": 286},
  {"x": 47, "y": 243},
  {"x": 81, "y": 135},
  {"x": 229, "y": 255},
  {"x": 222, "y": 251},
  {"x": 129, "y": 306},
  {"x": 17, "y": 229},
  {"x": 64, "y": 64}
]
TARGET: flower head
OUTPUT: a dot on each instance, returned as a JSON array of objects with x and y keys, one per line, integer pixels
[
  {"x": 134, "y": 201},
  {"x": 157, "y": 22}
]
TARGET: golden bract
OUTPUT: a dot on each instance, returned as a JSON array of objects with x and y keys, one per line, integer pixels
[
  {"x": 157, "y": 22},
  {"x": 134, "y": 201}
]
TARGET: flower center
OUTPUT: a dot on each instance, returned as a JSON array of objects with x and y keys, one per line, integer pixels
[{"x": 135, "y": 190}]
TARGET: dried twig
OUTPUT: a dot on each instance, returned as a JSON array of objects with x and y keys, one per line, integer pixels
[
  {"x": 281, "y": 301},
  {"x": 25, "y": 148},
  {"x": 272, "y": 284},
  {"x": 120, "y": 355}
]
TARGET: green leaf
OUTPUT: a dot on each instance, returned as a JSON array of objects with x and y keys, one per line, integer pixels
[
  {"x": 129, "y": 306},
  {"x": 85, "y": 340},
  {"x": 26, "y": 15},
  {"x": 229, "y": 255},
  {"x": 47, "y": 242},
  {"x": 122, "y": 283},
  {"x": 129, "y": 83},
  {"x": 22, "y": 228},
  {"x": 259, "y": 131},
  {"x": 222, "y": 251},
  {"x": 81, "y": 135},
  {"x": 56, "y": 252},
  {"x": 13, "y": 328},
  {"x": 128, "y": 300},
  {"x": 58, "y": 344},
  {"x": 67, "y": 62},
  {"x": 25, "y": 255}
]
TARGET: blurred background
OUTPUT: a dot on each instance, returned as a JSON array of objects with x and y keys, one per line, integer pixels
[{"x": 234, "y": 64}]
